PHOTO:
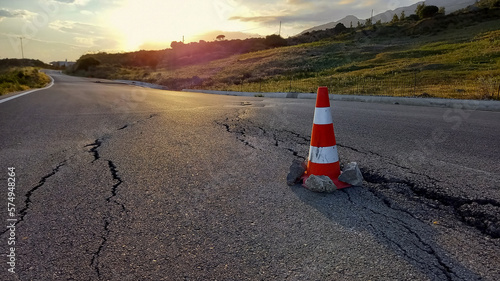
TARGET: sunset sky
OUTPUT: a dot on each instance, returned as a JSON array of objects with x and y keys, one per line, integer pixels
[{"x": 66, "y": 29}]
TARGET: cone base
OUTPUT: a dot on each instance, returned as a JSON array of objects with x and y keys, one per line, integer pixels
[{"x": 338, "y": 184}]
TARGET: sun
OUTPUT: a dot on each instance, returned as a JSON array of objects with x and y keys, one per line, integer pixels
[{"x": 160, "y": 21}]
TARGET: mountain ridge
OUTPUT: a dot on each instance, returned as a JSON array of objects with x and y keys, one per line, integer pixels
[{"x": 450, "y": 7}]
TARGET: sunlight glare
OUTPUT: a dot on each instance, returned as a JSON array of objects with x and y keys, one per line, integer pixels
[{"x": 139, "y": 22}]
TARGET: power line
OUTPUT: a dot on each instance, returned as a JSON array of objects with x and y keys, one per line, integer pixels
[{"x": 22, "y": 49}]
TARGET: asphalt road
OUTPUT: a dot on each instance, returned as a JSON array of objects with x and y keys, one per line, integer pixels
[{"x": 116, "y": 182}]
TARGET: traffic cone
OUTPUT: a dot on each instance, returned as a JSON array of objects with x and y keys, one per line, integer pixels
[{"x": 323, "y": 156}]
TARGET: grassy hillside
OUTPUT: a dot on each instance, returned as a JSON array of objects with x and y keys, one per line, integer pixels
[
  {"x": 15, "y": 79},
  {"x": 454, "y": 56}
]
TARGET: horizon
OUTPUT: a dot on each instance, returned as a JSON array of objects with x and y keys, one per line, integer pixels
[{"x": 56, "y": 30}]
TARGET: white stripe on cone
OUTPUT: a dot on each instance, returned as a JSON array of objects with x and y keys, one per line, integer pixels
[
  {"x": 323, "y": 116},
  {"x": 323, "y": 155}
]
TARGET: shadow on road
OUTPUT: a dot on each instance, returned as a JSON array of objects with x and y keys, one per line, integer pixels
[{"x": 408, "y": 237}]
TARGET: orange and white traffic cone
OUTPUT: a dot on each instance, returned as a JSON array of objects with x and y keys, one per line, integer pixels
[{"x": 323, "y": 155}]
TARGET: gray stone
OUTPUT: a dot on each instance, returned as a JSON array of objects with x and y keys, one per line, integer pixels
[
  {"x": 320, "y": 184},
  {"x": 352, "y": 175},
  {"x": 297, "y": 169}
]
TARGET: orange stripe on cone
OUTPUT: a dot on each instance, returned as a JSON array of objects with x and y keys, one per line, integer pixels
[{"x": 323, "y": 156}]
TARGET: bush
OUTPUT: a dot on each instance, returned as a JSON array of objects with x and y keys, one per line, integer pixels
[
  {"x": 489, "y": 3},
  {"x": 413, "y": 17},
  {"x": 19, "y": 79},
  {"x": 275, "y": 41},
  {"x": 86, "y": 63},
  {"x": 429, "y": 11}
]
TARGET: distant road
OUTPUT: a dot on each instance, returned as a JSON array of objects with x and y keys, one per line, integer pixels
[{"x": 116, "y": 182}]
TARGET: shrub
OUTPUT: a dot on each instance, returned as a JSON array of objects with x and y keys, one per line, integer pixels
[
  {"x": 424, "y": 11},
  {"x": 489, "y": 3},
  {"x": 275, "y": 41},
  {"x": 86, "y": 63}
]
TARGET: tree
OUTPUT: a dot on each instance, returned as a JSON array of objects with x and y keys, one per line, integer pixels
[
  {"x": 86, "y": 63},
  {"x": 275, "y": 41},
  {"x": 176, "y": 45},
  {"x": 429, "y": 12},
  {"x": 395, "y": 18},
  {"x": 339, "y": 28},
  {"x": 442, "y": 11},
  {"x": 420, "y": 8},
  {"x": 403, "y": 16},
  {"x": 220, "y": 37},
  {"x": 424, "y": 11}
]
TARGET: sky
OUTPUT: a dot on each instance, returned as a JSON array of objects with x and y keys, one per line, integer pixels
[{"x": 58, "y": 30}]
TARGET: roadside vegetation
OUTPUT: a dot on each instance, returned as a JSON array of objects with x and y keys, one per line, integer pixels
[
  {"x": 19, "y": 75},
  {"x": 428, "y": 54}
]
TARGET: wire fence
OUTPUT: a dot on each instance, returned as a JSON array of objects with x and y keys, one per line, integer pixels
[{"x": 409, "y": 85}]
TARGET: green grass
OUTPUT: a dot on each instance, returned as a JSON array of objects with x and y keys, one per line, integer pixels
[
  {"x": 15, "y": 79},
  {"x": 459, "y": 61}
]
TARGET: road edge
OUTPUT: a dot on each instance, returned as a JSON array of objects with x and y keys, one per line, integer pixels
[{"x": 484, "y": 105}]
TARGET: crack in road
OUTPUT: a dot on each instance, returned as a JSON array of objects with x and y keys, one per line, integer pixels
[
  {"x": 246, "y": 132},
  {"x": 481, "y": 214},
  {"x": 27, "y": 202},
  {"x": 95, "y": 263},
  {"x": 118, "y": 180},
  {"x": 108, "y": 219},
  {"x": 409, "y": 234},
  {"x": 388, "y": 160},
  {"x": 94, "y": 149},
  {"x": 466, "y": 210},
  {"x": 128, "y": 125}
]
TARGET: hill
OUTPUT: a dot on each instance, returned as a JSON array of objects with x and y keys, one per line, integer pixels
[
  {"x": 6, "y": 63},
  {"x": 450, "y": 6},
  {"x": 455, "y": 56}
]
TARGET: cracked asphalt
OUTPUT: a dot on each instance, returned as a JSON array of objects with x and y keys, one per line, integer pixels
[{"x": 117, "y": 182}]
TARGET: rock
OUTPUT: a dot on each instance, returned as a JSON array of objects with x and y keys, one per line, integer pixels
[
  {"x": 320, "y": 184},
  {"x": 297, "y": 169},
  {"x": 352, "y": 175}
]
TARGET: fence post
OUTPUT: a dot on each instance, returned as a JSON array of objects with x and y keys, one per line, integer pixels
[{"x": 415, "y": 85}]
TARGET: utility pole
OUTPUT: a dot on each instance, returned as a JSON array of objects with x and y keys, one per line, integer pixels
[
  {"x": 279, "y": 33},
  {"x": 22, "y": 49}
]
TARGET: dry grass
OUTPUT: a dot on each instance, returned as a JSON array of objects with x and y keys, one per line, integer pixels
[{"x": 21, "y": 78}]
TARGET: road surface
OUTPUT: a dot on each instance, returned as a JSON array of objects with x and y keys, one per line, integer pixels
[{"x": 116, "y": 182}]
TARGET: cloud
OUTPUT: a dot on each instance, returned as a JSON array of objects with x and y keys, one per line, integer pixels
[
  {"x": 73, "y": 2},
  {"x": 5, "y": 13},
  {"x": 85, "y": 41},
  {"x": 77, "y": 28},
  {"x": 260, "y": 19},
  {"x": 300, "y": 2}
]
